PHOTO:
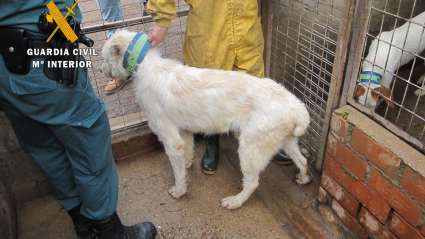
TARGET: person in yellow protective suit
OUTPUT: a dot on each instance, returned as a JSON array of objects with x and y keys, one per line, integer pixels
[{"x": 220, "y": 34}]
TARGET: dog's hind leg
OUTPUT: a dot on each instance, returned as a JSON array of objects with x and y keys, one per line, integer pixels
[
  {"x": 254, "y": 157},
  {"x": 175, "y": 148},
  {"x": 188, "y": 138},
  {"x": 290, "y": 146}
]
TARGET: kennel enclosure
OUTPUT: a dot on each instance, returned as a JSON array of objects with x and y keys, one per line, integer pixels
[{"x": 313, "y": 47}]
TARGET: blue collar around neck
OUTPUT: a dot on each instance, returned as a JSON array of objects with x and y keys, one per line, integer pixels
[
  {"x": 136, "y": 52},
  {"x": 372, "y": 77}
]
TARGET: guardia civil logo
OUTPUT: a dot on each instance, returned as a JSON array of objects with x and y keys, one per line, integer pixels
[{"x": 63, "y": 25}]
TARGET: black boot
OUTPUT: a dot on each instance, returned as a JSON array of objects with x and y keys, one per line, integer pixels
[
  {"x": 209, "y": 162},
  {"x": 282, "y": 158},
  {"x": 82, "y": 225},
  {"x": 111, "y": 228}
]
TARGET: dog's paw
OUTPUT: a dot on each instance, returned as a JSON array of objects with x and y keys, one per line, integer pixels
[
  {"x": 231, "y": 202},
  {"x": 419, "y": 92},
  {"x": 176, "y": 192},
  {"x": 189, "y": 163},
  {"x": 420, "y": 80},
  {"x": 304, "y": 179}
]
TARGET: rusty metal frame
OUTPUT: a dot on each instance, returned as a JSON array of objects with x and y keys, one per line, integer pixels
[
  {"x": 355, "y": 54},
  {"x": 267, "y": 23},
  {"x": 338, "y": 70}
]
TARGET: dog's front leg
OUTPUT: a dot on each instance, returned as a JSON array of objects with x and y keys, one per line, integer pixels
[
  {"x": 250, "y": 183},
  {"x": 175, "y": 150},
  {"x": 189, "y": 144},
  {"x": 251, "y": 174}
]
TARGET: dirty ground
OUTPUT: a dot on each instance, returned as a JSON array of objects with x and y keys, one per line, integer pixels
[{"x": 278, "y": 209}]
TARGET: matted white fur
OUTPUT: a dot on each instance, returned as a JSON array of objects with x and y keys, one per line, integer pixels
[{"x": 180, "y": 100}]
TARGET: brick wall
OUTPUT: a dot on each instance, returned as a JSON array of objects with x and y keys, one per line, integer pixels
[{"x": 372, "y": 180}]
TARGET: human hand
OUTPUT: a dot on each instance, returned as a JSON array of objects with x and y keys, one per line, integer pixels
[{"x": 157, "y": 35}]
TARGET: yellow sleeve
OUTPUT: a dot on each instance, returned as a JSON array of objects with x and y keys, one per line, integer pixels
[{"x": 162, "y": 11}]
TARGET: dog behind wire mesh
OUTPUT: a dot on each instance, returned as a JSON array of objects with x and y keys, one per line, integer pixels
[
  {"x": 180, "y": 100},
  {"x": 387, "y": 52}
]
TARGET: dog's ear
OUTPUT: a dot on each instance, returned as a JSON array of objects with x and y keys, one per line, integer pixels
[
  {"x": 116, "y": 50},
  {"x": 359, "y": 91},
  {"x": 384, "y": 91}
]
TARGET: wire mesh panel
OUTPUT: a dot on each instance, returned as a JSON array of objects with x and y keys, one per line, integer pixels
[
  {"x": 304, "y": 46},
  {"x": 123, "y": 111},
  {"x": 387, "y": 78}
]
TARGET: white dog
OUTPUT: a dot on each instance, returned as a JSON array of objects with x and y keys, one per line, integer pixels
[
  {"x": 180, "y": 100},
  {"x": 389, "y": 51}
]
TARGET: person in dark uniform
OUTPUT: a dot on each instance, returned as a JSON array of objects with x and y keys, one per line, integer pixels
[{"x": 64, "y": 128}]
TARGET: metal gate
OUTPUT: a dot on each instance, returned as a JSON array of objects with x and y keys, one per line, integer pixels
[{"x": 307, "y": 42}]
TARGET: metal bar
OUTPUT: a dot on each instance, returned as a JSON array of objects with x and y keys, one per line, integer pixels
[
  {"x": 323, "y": 3},
  {"x": 337, "y": 73},
  {"x": 267, "y": 22},
  {"x": 125, "y": 23},
  {"x": 355, "y": 54}
]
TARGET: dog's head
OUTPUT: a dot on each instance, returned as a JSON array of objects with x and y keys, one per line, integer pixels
[
  {"x": 371, "y": 97},
  {"x": 370, "y": 92},
  {"x": 113, "y": 54}
]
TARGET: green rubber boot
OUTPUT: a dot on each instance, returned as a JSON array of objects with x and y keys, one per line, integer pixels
[
  {"x": 282, "y": 158},
  {"x": 209, "y": 162}
]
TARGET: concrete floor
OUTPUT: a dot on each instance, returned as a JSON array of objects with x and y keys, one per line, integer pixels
[{"x": 278, "y": 209}]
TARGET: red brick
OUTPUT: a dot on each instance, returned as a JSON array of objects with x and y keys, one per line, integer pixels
[
  {"x": 423, "y": 229},
  {"x": 403, "y": 229},
  {"x": 339, "y": 127},
  {"x": 381, "y": 157},
  {"x": 369, "y": 199},
  {"x": 331, "y": 145},
  {"x": 322, "y": 197},
  {"x": 363, "y": 194},
  {"x": 350, "y": 161},
  {"x": 350, "y": 222},
  {"x": 334, "y": 169},
  {"x": 405, "y": 206},
  {"x": 373, "y": 226},
  {"x": 414, "y": 183},
  {"x": 350, "y": 204}
]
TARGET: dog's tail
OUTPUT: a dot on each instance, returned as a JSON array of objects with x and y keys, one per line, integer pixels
[{"x": 302, "y": 122}]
